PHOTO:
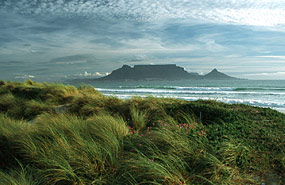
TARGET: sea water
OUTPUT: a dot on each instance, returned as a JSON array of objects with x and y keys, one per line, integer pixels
[{"x": 262, "y": 93}]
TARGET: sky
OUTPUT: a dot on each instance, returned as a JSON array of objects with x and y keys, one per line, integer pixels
[{"x": 63, "y": 39}]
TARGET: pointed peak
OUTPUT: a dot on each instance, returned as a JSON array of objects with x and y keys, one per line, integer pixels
[
  {"x": 126, "y": 66},
  {"x": 214, "y": 70}
]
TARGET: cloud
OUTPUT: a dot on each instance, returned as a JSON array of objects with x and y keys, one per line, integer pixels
[
  {"x": 273, "y": 57},
  {"x": 280, "y": 75},
  {"x": 65, "y": 29},
  {"x": 86, "y": 74},
  {"x": 74, "y": 59},
  {"x": 83, "y": 35},
  {"x": 245, "y": 12}
]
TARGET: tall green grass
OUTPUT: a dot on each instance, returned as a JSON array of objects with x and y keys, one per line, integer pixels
[
  {"x": 67, "y": 149},
  {"x": 19, "y": 176},
  {"x": 139, "y": 118},
  {"x": 96, "y": 139}
]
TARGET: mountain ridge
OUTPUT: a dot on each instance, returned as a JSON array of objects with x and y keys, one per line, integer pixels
[{"x": 160, "y": 72}]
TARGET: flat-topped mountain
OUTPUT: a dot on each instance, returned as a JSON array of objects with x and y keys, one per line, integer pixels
[
  {"x": 149, "y": 72},
  {"x": 159, "y": 72}
]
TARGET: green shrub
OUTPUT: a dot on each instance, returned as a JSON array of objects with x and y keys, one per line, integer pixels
[
  {"x": 3, "y": 82},
  {"x": 138, "y": 118},
  {"x": 29, "y": 82},
  {"x": 235, "y": 153}
]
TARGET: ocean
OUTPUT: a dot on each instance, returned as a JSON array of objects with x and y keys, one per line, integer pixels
[{"x": 261, "y": 93}]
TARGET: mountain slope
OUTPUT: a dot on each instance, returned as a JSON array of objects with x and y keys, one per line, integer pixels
[{"x": 215, "y": 74}]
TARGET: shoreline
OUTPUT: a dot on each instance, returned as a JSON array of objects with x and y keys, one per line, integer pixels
[{"x": 127, "y": 96}]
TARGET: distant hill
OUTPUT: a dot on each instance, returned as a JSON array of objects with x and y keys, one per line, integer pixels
[
  {"x": 159, "y": 72},
  {"x": 215, "y": 74}
]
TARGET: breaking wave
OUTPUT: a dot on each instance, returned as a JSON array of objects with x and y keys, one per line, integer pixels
[
  {"x": 252, "y": 102},
  {"x": 185, "y": 91},
  {"x": 206, "y": 88}
]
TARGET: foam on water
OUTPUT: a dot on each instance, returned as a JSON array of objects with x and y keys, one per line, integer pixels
[
  {"x": 206, "y": 88},
  {"x": 199, "y": 91},
  {"x": 253, "y": 102},
  {"x": 200, "y": 88},
  {"x": 256, "y": 93}
]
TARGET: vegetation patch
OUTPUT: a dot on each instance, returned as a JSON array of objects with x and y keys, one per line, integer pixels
[{"x": 60, "y": 134}]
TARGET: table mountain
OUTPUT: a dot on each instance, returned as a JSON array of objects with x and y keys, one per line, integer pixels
[{"x": 159, "y": 72}]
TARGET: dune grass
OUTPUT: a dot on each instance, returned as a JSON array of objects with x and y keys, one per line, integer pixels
[{"x": 59, "y": 134}]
